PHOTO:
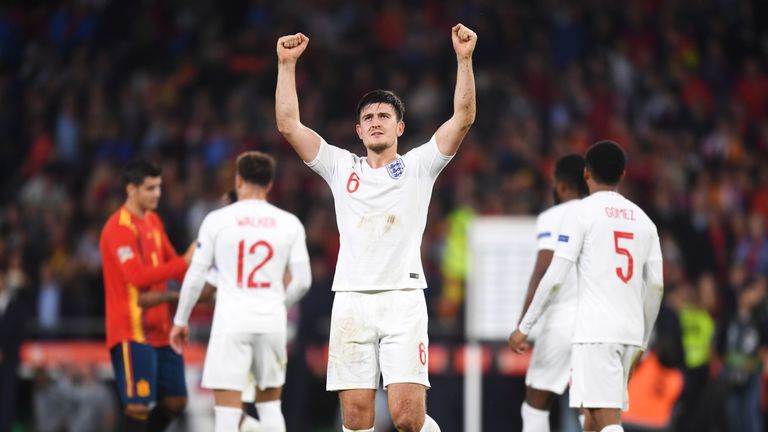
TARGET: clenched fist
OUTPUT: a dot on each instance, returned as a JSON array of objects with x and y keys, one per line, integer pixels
[
  {"x": 464, "y": 41},
  {"x": 290, "y": 48}
]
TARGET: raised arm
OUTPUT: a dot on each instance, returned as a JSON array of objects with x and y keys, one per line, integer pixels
[
  {"x": 303, "y": 139},
  {"x": 451, "y": 133}
]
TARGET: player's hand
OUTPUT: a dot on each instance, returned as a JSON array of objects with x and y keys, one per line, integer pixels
[
  {"x": 464, "y": 41},
  {"x": 518, "y": 342},
  {"x": 179, "y": 337},
  {"x": 153, "y": 298},
  {"x": 190, "y": 251},
  {"x": 290, "y": 48}
]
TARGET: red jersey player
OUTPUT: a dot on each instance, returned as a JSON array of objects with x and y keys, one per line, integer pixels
[{"x": 138, "y": 259}]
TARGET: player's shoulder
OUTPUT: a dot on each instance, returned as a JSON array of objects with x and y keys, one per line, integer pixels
[{"x": 119, "y": 220}]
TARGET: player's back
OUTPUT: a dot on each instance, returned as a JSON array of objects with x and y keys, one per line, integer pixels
[
  {"x": 617, "y": 240},
  {"x": 253, "y": 241}
]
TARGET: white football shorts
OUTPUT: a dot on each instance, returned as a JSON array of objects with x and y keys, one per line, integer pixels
[
  {"x": 377, "y": 334},
  {"x": 550, "y": 366},
  {"x": 600, "y": 374},
  {"x": 231, "y": 357}
]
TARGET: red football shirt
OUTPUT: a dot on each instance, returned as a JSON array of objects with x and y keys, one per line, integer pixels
[{"x": 137, "y": 256}]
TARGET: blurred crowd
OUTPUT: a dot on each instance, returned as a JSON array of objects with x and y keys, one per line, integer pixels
[{"x": 682, "y": 85}]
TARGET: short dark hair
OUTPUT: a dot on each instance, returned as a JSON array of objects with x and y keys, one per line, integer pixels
[
  {"x": 256, "y": 167},
  {"x": 137, "y": 169},
  {"x": 606, "y": 161},
  {"x": 569, "y": 169},
  {"x": 381, "y": 96}
]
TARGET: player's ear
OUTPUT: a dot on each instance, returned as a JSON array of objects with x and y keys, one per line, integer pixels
[
  {"x": 130, "y": 189},
  {"x": 359, "y": 130},
  {"x": 400, "y": 128},
  {"x": 269, "y": 186}
]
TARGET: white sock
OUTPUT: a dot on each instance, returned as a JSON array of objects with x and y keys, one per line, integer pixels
[
  {"x": 356, "y": 430},
  {"x": 582, "y": 419},
  {"x": 271, "y": 416},
  {"x": 430, "y": 425},
  {"x": 226, "y": 419},
  {"x": 612, "y": 428},
  {"x": 249, "y": 424},
  {"x": 534, "y": 420}
]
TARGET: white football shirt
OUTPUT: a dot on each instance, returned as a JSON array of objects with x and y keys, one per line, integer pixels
[
  {"x": 610, "y": 239},
  {"x": 251, "y": 243},
  {"x": 547, "y": 232},
  {"x": 381, "y": 214}
]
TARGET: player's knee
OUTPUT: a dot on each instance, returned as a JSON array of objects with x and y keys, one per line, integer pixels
[
  {"x": 407, "y": 420},
  {"x": 137, "y": 411},
  {"x": 357, "y": 416},
  {"x": 174, "y": 406}
]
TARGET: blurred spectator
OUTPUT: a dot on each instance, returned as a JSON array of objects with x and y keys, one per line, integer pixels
[
  {"x": 741, "y": 342},
  {"x": 12, "y": 319},
  {"x": 752, "y": 250}
]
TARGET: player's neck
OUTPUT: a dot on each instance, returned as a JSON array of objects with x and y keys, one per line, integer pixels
[
  {"x": 378, "y": 160},
  {"x": 600, "y": 187},
  {"x": 135, "y": 208},
  {"x": 252, "y": 193}
]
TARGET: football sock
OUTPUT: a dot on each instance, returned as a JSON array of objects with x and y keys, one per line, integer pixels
[
  {"x": 534, "y": 420},
  {"x": 226, "y": 419},
  {"x": 249, "y": 424},
  {"x": 613, "y": 428},
  {"x": 271, "y": 416},
  {"x": 430, "y": 425},
  {"x": 356, "y": 430}
]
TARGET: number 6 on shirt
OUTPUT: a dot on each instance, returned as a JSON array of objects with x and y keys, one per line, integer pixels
[
  {"x": 621, "y": 251},
  {"x": 252, "y": 250}
]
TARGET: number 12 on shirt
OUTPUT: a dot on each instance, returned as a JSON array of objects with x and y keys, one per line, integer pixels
[
  {"x": 619, "y": 235},
  {"x": 261, "y": 244}
]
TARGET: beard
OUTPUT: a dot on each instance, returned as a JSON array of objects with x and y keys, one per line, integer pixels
[{"x": 379, "y": 147}]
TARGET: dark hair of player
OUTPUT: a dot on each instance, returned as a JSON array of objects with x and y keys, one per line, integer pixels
[
  {"x": 256, "y": 167},
  {"x": 569, "y": 169},
  {"x": 381, "y": 96},
  {"x": 136, "y": 170},
  {"x": 606, "y": 161}
]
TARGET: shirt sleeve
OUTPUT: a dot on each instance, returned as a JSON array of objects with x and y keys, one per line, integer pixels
[
  {"x": 169, "y": 252},
  {"x": 326, "y": 161},
  {"x": 546, "y": 234},
  {"x": 121, "y": 242},
  {"x": 429, "y": 159},
  {"x": 198, "y": 269},
  {"x": 570, "y": 238}
]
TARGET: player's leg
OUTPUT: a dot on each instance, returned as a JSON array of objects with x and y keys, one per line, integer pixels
[
  {"x": 135, "y": 368},
  {"x": 606, "y": 419},
  {"x": 357, "y": 409},
  {"x": 353, "y": 364},
  {"x": 227, "y": 410},
  {"x": 403, "y": 356},
  {"x": 408, "y": 407},
  {"x": 227, "y": 364},
  {"x": 598, "y": 385},
  {"x": 268, "y": 368},
  {"x": 248, "y": 398},
  {"x": 171, "y": 389},
  {"x": 535, "y": 409}
]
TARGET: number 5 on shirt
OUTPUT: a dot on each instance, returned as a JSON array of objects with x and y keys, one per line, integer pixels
[
  {"x": 618, "y": 235},
  {"x": 252, "y": 250}
]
